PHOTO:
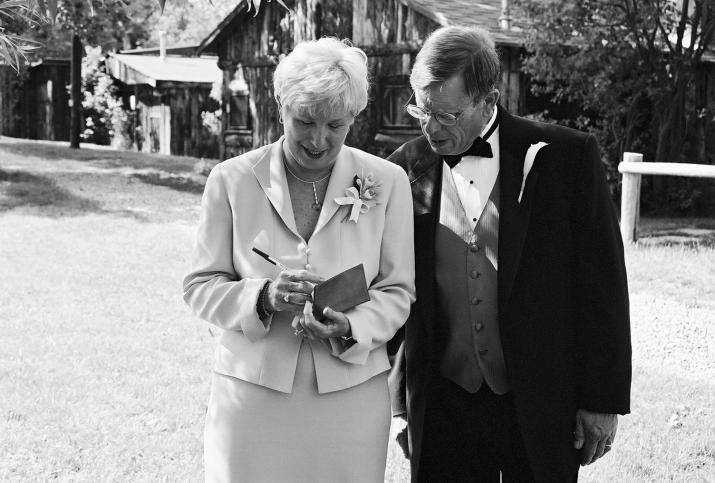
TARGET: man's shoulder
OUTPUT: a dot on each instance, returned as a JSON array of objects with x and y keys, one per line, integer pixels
[
  {"x": 545, "y": 131},
  {"x": 411, "y": 152}
]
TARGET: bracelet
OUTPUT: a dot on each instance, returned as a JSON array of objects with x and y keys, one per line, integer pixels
[{"x": 261, "y": 310}]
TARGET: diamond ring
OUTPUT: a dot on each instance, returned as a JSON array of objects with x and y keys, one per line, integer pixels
[{"x": 285, "y": 298}]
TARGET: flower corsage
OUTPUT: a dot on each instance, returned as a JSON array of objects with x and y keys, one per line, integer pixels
[{"x": 361, "y": 196}]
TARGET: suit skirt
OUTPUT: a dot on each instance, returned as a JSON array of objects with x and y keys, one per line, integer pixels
[{"x": 256, "y": 434}]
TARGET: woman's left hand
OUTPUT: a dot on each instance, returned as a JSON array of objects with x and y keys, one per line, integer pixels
[{"x": 336, "y": 324}]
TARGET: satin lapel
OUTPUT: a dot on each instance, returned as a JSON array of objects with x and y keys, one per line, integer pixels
[
  {"x": 513, "y": 216},
  {"x": 345, "y": 169},
  {"x": 271, "y": 176},
  {"x": 426, "y": 188}
]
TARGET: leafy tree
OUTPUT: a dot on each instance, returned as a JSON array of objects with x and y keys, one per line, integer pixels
[
  {"x": 629, "y": 64},
  {"x": 105, "y": 119}
]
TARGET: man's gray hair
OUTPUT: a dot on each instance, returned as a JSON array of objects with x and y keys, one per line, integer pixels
[
  {"x": 449, "y": 51},
  {"x": 324, "y": 75}
]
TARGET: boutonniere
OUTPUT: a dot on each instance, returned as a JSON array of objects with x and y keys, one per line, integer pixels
[
  {"x": 361, "y": 195},
  {"x": 529, "y": 163}
]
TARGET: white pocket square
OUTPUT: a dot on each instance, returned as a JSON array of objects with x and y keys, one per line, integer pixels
[{"x": 529, "y": 163}]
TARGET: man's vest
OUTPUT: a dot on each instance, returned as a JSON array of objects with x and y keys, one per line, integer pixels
[{"x": 466, "y": 272}]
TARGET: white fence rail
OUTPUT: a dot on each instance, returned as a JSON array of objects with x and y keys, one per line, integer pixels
[{"x": 632, "y": 168}]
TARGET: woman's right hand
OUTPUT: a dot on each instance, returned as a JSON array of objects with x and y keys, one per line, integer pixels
[{"x": 291, "y": 289}]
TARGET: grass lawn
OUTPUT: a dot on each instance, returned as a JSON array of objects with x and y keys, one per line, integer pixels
[{"x": 104, "y": 372}]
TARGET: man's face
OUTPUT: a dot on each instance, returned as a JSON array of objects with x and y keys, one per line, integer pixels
[{"x": 451, "y": 97}]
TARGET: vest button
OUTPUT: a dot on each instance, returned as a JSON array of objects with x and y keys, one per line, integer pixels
[
  {"x": 483, "y": 351},
  {"x": 473, "y": 247},
  {"x": 474, "y": 274},
  {"x": 478, "y": 326},
  {"x": 476, "y": 301}
]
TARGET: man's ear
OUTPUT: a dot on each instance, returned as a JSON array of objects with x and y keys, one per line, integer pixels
[{"x": 492, "y": 98}]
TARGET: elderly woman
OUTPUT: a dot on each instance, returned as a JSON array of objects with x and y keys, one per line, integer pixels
[{"x": 294, "y": 398}]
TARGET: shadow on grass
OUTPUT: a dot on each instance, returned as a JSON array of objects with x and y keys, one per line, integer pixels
[
  {"x": 21, "y": 189},
  {"x": 680, "y": 232},
  {"x": 102, "y": 158},
  {"x": 189, "y": 184}
]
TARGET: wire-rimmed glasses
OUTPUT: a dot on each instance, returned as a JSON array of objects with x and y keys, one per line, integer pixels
[{"x": 444, "y": 118}]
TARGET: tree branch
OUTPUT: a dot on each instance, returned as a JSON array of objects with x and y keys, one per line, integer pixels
[{"x": 681, "y": 26}]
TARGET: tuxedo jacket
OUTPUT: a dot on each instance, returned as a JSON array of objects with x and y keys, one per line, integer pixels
[
  {"x": 246, "y": 204},
  {"x": 562, "y": 290}
]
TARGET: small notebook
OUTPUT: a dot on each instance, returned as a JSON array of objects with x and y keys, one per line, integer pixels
[{"x": 341, "y": 292}]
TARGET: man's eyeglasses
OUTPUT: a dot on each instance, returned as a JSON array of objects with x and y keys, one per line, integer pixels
[{"x": 444, "y": 118}]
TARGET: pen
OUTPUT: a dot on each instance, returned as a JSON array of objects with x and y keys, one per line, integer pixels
[{"x": 269, "y": 259}]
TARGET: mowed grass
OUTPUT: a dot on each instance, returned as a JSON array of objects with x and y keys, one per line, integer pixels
[{"x": 104, "y": 372}]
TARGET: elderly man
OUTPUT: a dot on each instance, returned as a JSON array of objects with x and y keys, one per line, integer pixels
[{"x": 517, "y": 351}]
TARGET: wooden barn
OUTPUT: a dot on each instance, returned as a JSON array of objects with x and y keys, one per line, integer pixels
[
  {"x": 167, "y": 95},
  {"x": 391, "y": 33},
  {"x": 35, "y": 104}
]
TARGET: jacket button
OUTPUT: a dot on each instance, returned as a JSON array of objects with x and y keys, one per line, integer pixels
[
  {"x": 476, "y": 301},
  {"x": 473, "y": 247},
  {"x": 483, "y": 351},
  {"x": 474, "y": 274},
  {"x": 308, "y": 266},
  {"x": 478, "y": 326}
]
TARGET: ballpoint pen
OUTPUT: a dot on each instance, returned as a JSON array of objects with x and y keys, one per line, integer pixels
[{"x": 269, "y": 259}]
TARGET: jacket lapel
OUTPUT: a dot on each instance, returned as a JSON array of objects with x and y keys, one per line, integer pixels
[
  {"x": 345, "y": 169},
  {"x": 271, "y": 177},
  {"x": 514, "y": 216}
]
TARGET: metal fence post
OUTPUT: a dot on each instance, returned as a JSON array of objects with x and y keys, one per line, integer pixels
[{"x": 630, "y": 200}]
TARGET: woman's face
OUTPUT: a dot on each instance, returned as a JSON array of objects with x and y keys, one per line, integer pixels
[{"x": 315, "y": 141}]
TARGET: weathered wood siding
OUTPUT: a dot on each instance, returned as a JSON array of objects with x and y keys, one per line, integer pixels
[
  {"x": 188, "y": 136},
  {"x": 390, "y": 32},
  {"x": 36, "y": 105},
  {"x": 11, "y": 122}
]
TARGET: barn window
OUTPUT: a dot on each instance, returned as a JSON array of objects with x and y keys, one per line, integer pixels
[{"x": 395, "y": 92}]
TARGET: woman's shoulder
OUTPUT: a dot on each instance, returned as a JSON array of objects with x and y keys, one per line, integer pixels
[
  {"x": 379, "y": 166},
  {"x": 241, "y": 164},
  {"x": 246, "y": 160}
]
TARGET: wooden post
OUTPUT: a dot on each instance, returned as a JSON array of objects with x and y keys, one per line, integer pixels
[
  {"x": 76, "y": 91},
  {"x": 630, "y": 200}
]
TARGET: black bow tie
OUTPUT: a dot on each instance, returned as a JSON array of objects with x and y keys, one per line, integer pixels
[{"x": 480, "y": 147}]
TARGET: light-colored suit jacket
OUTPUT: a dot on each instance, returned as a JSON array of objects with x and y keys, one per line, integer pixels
[{"x": 246, "y": 204}]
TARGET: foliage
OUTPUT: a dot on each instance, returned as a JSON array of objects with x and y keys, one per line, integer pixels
[
  {"x": 629, "y": 65},
  {"x": 105, "y": 119},
  {"x": 187, "y": 22},
  {"x": 113, "y": 24},
  {"x": 16, "y": 17}
]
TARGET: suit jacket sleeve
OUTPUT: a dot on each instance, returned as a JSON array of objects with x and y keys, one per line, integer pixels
[
  {"x": 213, "y": 289},
  {"x": 602, "y": 308},
  {"x": 375, "y": 322}
]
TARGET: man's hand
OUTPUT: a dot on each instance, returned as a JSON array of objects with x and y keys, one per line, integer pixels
[{"x": 594, "y": 434}]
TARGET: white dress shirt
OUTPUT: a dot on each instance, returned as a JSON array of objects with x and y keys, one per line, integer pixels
[{"x": 474, "y": 177}]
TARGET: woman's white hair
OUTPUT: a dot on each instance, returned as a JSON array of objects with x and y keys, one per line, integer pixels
[{"x": 322, "y": 76}]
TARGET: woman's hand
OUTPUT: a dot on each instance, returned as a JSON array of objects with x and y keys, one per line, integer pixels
[
  {"x": 336, "y": 324},
  {"x": 291, "y": 290}
]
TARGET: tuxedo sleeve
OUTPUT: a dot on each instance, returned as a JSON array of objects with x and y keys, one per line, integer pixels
[{"x": 602, "y": 307}]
